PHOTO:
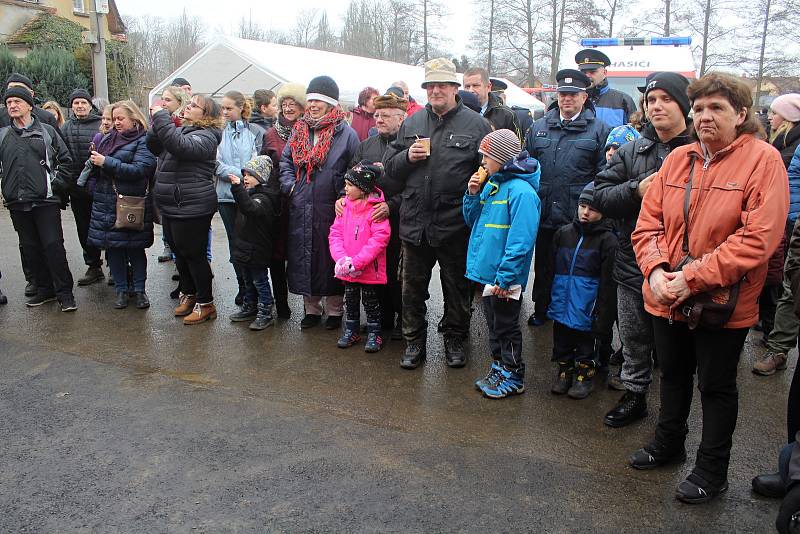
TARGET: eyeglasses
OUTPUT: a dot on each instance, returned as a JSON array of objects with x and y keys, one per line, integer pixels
[
  {"x": 384, "y": 116},
  {"x": 193, "y": 105},
  {"x": 288, "y": 105}
]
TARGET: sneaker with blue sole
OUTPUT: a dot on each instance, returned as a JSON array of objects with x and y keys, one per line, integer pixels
[
  {"x": 494, "y": 372},
  {"x": 506, "y": 384}
]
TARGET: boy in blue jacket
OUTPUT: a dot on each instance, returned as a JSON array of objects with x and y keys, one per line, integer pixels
[
  {"x": 504, "y": 219},
  {"x": 582, "y": 297}
]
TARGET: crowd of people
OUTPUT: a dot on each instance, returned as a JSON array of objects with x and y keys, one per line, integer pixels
[{"x": 671, "y": 221}]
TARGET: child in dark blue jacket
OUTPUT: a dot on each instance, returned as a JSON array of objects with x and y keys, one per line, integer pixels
[
  {"x": 503, "y": 214},
  {"x": 582, "y": 295}
]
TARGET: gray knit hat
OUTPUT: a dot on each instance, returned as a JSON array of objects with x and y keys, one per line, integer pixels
[
  {"x": 260, "y": 168},
  {"x": 501, "y": 145}
]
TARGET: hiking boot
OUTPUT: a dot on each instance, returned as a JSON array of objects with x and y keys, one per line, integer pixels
[
  {"x": 769, "y": 485},
  {"x": 769, "y": 363},
  {"x": 186, "y": 305},
  {"x": 507, "y": 383},
  {"x": 247, "y": 312},
  {"x": 583, "y": 383},
  {"x": 350, "y": 335},
  {"x": 263, "y": 319},
  {"x": 166, "y": 254},
  {"x": 122, "y": 300},
  {"x": 3, "y": 298},
  {"x": 696, "y": 490},
  {"x": 454, "y": 351},
  {"x": 535, "y": 320},
  {"x": 654, "y": 455},
  {"x": 491, "y": 376},
  {"x": 38, "y": 300},
  {"x": 563, "y": 380},
  {"x": 201, "y": 313},
  {"x": 333, "y": 322},
  {"x": 631, "y": 407},
  {"x": 374, "y": 341},
  {"x": 67, "y": 304},
  {"x": 93, "y": 274},
  {"x": 413, "y": 356},
  {"x": 142, "y": 302},
  {"x": 30, "y": 289},
  {"x": 310, "y": 321}
]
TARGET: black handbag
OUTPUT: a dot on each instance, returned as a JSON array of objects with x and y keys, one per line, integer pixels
[
  {"x": 711, "y": 309},
  {"x": 130, "y": 210}
]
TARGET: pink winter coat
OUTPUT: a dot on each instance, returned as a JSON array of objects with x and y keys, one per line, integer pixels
[{"x": 355, "y": 234}]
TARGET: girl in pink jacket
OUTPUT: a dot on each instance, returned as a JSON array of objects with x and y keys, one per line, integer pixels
[{"x": 358, "y": 246}]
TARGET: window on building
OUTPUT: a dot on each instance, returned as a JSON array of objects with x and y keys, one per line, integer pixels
[{"x": 77, "y": 6}]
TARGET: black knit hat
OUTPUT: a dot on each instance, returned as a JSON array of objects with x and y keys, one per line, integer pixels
[
  {"x": 80, "y": 93},
  {"x": 363, "y": 175},
  {"x": 179, "y": 82},
  {"x": 19, "y": 78},
  {"x": 19, "y": 92},
  {"x": 674, "y": 85},
  {"x": 587, "y": 195},
  {"x": 323, "y": 88}
]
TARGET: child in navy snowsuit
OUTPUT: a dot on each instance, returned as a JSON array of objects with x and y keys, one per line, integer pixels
[{"x": 582, "y": 295}]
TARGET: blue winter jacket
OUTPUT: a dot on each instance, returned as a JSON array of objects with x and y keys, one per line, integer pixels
[
  {"x": 583, "y": 291},
  {"x": 241, "y": 142},
  {"x": 794, "y": 186},
  {"x": 569, "y": 157},
  {"x": 611, "y": 106},
  {"x": 505, "y": 220},
  {"x": 131, "y": 167}
]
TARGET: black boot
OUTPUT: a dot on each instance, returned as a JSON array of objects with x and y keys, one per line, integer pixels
[
  {"x": 282, "y": 307},
  {"x": 631, "y": 407},
  {"x": 248, "y": 312},
  {"x": 414, "y": 355},
  {"x": 30, "y": 289},
  {"x": 769, "y": 485},
  {"x": 93, "y": 274},
  {"x": 142, "y": 302},
  {"x": 122, "y": 300},
  {"x": 264, "y": 318},
  {"x": 563, "y": 380},
  {"x": 242, "y": 290},
  {"x": 655, "y": 455},
  {"x": 454, "y": 351}
]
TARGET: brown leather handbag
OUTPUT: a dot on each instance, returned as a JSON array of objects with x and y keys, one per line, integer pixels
[
  {"x": 712, "y": 309},
  {"x": 130, "y": 210}
]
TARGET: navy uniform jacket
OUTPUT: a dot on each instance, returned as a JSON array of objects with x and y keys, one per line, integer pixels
[{"x": 570, "y": 157}]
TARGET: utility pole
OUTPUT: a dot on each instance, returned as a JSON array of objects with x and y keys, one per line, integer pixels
[{"x": 99, "y": 71}]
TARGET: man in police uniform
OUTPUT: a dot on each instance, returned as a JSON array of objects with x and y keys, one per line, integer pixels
[
  {"x": 611, "y": 106},
  {"x": 569, "y": 143}
]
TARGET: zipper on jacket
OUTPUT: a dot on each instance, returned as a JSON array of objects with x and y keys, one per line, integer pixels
[{"x": 356, "y": 237}]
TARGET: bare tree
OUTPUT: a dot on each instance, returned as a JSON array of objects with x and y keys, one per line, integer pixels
[
  {"x": 325, "y": 38},
  {"x": 250, "y": 30},
  {"x": 428, "y": 14},
  {"x": 711, "y": 21},
  {"x": 660, "y": 20},
  {"x": 305, "y": 28},
  {"x": 607, "y": 11}
]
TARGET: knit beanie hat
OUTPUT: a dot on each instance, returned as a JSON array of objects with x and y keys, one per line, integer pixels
[
  {"x": 260, "y": 168},
  {"x": 295, "y": 91},
  {"x": 587, "y": 195},
  {"x": 674, "y": 85},
  {"x": 470, "y": 100},
  {"x": 622, "y": 135},
  {"x": 323, "y": 88},
  {"x": 179, "y": 82},
  {"x": 787, "y": 106},
  {"x": 363, "y": 175},
  {"x": 501, "y": 145},
  {"x": 19, "y": 92},
  {"x": 19, "y": 78},
  {"x": 80, "y": 93}
]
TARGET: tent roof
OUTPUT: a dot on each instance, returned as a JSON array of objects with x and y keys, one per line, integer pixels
[{"x": 230, "y": 63}]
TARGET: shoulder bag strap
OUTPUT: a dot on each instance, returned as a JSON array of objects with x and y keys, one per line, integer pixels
[{"x": 687, "y": 197}]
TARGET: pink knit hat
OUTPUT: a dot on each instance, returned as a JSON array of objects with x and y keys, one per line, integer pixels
[{"x": 787, "y": 106}]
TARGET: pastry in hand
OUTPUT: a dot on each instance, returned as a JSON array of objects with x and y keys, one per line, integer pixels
[{"x": 482, "y": 174}]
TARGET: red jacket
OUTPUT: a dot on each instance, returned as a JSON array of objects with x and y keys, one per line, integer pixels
[
  {"x": 413, "y": 107},
  {"x": 737, "y": 215},
  {"x": 362, "y": 121}
]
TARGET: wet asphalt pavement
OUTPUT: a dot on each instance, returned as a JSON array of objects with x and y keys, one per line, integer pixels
[{"x": 128, "y": 421}]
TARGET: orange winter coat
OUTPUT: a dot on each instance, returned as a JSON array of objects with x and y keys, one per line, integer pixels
[{"x": 737, "y": 215}]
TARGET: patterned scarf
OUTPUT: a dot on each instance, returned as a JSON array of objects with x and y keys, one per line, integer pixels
[
  {"x": 304, "y": 155},
  {"x": 284, "y": 127}
]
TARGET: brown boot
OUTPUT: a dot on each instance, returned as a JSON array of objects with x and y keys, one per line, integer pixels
[
  {"x": 201, "y": 313},
  {"x": 186, "y": 305}
]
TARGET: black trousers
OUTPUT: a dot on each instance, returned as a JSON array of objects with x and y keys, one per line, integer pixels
[
  {"x": 280, "y": 289},
  {"x": 793, "y": 406},
  {"x": 505, "y": 336},
  {"x": 42, "y": 242},
  {"x": 571, "y": 345},
  {"x": 714, "y": 355},
  {"x": 188, "y": 239},
  {"x": 354, "y": 294},
  {"x": 418, "y": 262},
  {"x": 81, "y": 204},
  {"x": 391, "y": 294},
  {"x": 543, "y": 278}
]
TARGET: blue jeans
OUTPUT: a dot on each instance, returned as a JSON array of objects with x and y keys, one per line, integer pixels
[
  {"x": 118, "y": 260},
  {"x": 256, "y": 283}
]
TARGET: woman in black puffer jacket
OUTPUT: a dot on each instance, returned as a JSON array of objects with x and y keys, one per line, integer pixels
[
  {"x": 124, "y": 165},
  {"x": 185, "y": 195}
]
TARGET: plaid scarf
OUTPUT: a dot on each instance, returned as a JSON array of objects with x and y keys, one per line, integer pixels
[{"x": 304, "y": 154}]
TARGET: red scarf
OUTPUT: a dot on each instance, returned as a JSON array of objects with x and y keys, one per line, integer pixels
[{"x": 304, "y": 155}]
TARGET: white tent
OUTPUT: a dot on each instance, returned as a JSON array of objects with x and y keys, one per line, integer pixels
[{"x": 230, "y": 63}]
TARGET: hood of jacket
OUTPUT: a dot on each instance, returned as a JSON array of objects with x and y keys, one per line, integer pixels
[
  {"x": 523, "y": 167},
  {"x": 376, "y": 197},
  {"x": 603, "y": 225}
]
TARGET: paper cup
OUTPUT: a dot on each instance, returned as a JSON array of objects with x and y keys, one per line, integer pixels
[{"x": 425, "y": 142}]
